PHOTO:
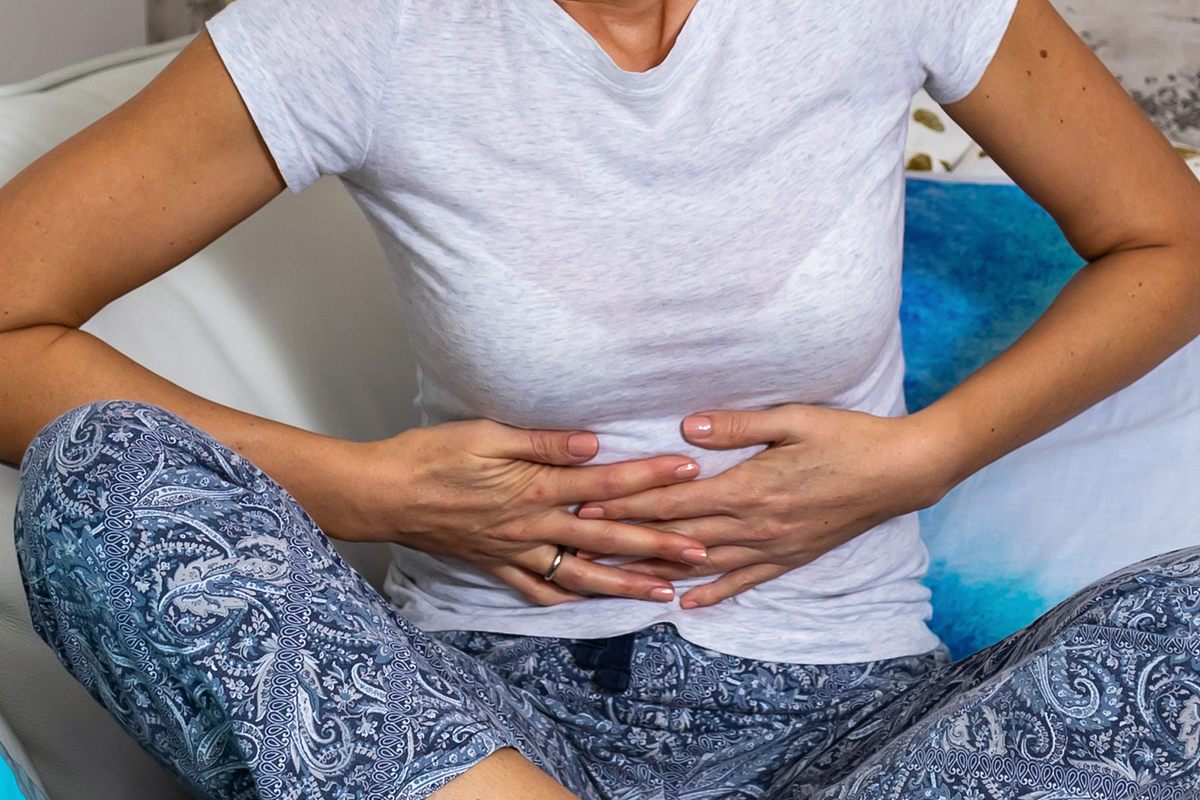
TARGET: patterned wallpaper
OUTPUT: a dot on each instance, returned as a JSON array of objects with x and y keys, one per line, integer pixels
[{"x": 1152, "y": 46}]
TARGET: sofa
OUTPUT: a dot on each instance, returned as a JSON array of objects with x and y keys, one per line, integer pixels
[{"x": 292, "y": 315}]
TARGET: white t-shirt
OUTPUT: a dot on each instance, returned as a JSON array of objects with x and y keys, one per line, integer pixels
[{"x": 582, "y": 247}]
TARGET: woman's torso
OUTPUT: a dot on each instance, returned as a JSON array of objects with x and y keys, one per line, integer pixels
[{"x": 581, "y": 247}]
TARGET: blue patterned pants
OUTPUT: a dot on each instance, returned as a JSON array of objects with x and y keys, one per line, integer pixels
[{"x": 200, "y": 604}]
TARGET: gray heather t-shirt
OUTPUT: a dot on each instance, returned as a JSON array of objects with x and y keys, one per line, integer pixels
[{"x": 579, "y": 246}]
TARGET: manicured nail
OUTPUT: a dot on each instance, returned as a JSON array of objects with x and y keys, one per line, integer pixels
[
  {"x": 662, "y": 593},
  {"x": 591, "y": 512},
  {"x": 582, "y": 444},
  {"x": 688, "y": 604},
  {"x": 695, "y": 555},
  {"x": 698, "y": 426},
  {"x": 687, "y": 470}
]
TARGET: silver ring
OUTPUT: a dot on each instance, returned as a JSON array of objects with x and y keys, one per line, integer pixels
[{"x": 558, "y": 559}]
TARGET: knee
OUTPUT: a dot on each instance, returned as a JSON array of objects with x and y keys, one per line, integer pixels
[
  {"x": 123, "y": 503},
  {"x": 1158, "y": 595},
  {"x": 68, "y": 476},
  {"x": 62, "y": 469},
  {"x": 80, "y": 462},
  {"x": 73, "y": 441},
  {"x": 92, "y": 473},
  {"x": 106, "y": 444}
]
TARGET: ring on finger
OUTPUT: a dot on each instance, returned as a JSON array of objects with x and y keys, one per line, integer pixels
[{"x": 558, "y": 559}]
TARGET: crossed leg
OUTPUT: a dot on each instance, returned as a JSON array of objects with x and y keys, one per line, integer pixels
[
  {"x": 198, "y": 602},
  {"x": 1098, "y": 698}
]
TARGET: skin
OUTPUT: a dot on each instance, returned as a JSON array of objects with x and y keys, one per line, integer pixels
[
  {"x": 160, "y": 177},
  {"x": 1057, "y": 121}
]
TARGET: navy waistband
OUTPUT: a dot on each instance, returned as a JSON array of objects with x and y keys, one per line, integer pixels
[{"x": 610, "y": 657}]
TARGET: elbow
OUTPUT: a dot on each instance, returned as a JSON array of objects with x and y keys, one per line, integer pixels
[
  {"x": 19, "y": 316},
  {"x": 34, "y": 339}
]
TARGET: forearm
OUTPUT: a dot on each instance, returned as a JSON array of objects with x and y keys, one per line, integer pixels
[
  {"x": 1113, "y": 322},
  {"x": 49, "y": 369}
]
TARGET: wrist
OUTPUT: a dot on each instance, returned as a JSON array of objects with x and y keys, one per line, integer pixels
[
  {"x": 937, "y": 433},
  {"x": 325, "y": 475}
]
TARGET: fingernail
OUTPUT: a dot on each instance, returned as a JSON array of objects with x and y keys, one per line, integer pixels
[
  {"x": 582, "y": 444},
  {"x": 695, "y": 555},
  {"x": 686, "y": 470},
  {"x": 662, "y": 593},
  {"x": 688, "y": 604},
  {"x": 698, "y": 426},
  {"x": 591, "y": 512}
]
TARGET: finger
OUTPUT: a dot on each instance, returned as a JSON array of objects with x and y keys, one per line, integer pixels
[
  {"x": 560, "y": 448},
  {"x": 725, "y": 430},
  {"x": 730, "y": 584},
  {"x": 709, "y": 531},
  {"x": 703, "y": 498},
  {"x": 534, "y": 587},
  {"x": 616, "y": 538},
  {"x": 586, "y": 577},
  {"x": 669, "y": 570},
  {"x": 720, "y": 560},
  {"x": 606, "y": 481}
]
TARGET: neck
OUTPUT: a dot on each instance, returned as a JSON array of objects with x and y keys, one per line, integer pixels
[{"x": 637, "y": 34}]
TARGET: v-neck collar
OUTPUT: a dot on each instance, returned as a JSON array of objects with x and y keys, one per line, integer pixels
[{"x": 583, "y": 48}]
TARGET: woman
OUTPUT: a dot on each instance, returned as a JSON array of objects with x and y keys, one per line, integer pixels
[{"x": 657, "y": 536}]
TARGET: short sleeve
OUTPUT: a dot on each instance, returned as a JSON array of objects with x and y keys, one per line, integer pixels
[
  {"x": 311, "y": 73},
  {"x": 955, "y": 41}
]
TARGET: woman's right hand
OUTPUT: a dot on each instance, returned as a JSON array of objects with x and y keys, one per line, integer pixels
[{"x": 496, "y": 497}]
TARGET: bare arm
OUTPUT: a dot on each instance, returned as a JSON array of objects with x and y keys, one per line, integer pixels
[
  {"x": 157, "y": 180},
  {"x": 1057, "y": 121},
  {"x": 121, "y": 202}
]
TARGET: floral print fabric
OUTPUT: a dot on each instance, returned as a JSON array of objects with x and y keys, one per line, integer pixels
[{"x": 199, "y": 603}]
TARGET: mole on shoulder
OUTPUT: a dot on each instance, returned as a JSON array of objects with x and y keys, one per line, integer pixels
[{"x": 1043, "y": 53}]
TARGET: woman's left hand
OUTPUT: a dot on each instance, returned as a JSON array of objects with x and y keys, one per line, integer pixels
[{"x": 826, "y": 476}]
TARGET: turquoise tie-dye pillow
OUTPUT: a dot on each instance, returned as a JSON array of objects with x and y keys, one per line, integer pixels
[
  {"x": 1109, "y": 487},
  {"x": 981, "y": 263}
]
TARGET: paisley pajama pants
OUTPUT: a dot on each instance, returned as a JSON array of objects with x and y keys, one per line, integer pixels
[{"x": 202, "y": 606}]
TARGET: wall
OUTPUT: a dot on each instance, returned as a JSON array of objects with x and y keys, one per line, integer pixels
[
  {"x": 1153, "y": 47},
  {"x": 40, "y": 35}
]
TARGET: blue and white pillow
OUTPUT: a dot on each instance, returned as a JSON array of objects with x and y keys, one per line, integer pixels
[{"x": 1112, "y": 486}]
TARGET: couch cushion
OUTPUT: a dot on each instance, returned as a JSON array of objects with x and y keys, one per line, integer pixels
[
  {"x": 1109, "y": 487},
  {"x": 18, "y": 779}
]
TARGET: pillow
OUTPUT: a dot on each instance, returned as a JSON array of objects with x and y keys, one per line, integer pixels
[
  {"x": 934, "y": 143},
  {"x": 1111, "y": 486}
]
